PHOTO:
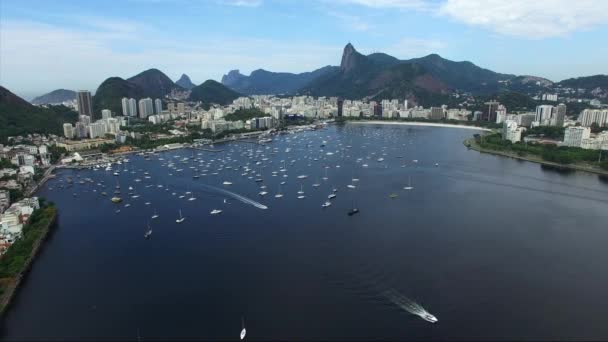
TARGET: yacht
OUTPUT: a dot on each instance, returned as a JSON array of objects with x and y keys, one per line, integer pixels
[
  {"x": 301, "y": 197},
  {"x": 227, "y": 183},
  {"x": 181, "y": 218},
  {"x": 262, "y": 193},
  {"x": 148, "y": 232},
  {"x": 243, "y": 330},
  {"x": 302, "y": 176},
  {"x": 331, "y": 196},
  {"x": 350, "y": 186},
  {"x": 409, "y": 184},
  {"x": 155, "y": 216},
  {"x": 301, "y": 192},
  {"x": 326, "y": 204},
  {"x": 116, "y": 199},
  {"x": 215, "y": 211}
]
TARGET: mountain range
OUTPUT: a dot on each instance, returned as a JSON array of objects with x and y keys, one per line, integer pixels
[
  {"x": 185, "y": 82},
  {"x": 55, "y": 97},
  {"x": 426, "y": 80}
]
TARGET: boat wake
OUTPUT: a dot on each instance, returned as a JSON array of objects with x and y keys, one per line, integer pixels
[
  {"x": 237, "y": 197},
  {"x": 408, "y": 305}
]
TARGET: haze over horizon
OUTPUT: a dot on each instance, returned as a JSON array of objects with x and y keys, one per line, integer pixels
[{"x": 76, "y": 45}]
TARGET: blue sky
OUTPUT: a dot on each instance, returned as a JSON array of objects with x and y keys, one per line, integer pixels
[{"x": 45, "y": 45}]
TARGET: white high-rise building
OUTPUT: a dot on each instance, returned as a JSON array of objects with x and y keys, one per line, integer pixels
[
  {"x": 132, "y": 107},
  {"x": 501, "y": 114},
  {"x": 125, "y": 106},
  {"x": 544, "y": 113},
  {"x": 573, "y": 136},
  {"x": 146, "y": 108},
  {"x": 510, "y": 131},
  {"x": 106, "y": 114},
  {"x": 68, "y": 130},
  {"x": 590, "y": 116},
  {"x": 158, "y": 106}
]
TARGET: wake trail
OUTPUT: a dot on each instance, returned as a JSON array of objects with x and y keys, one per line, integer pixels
[{"x": 237, "y": 197}]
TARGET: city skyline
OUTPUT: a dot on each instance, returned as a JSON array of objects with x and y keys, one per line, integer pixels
[{"x": 81, "y": 49}]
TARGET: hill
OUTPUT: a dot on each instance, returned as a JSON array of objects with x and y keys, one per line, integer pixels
[
  {"x": 266, "y": 82},
  {"x": 588, "y": 82},
  {"x": 110, "y": 93},
  {"x": 18, "y": 116},
  {"x": 55, "y": 97},
  {"x": 153, "y": 83},
  {"x": 378, "y": 77},
  {"x": 213, "y": 92},
  {"x": 185, "y": 82}
]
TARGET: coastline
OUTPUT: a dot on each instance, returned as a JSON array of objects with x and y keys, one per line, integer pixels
[
  {"x": 472, "y": 144},
  {"x": 418, "y": 123},
  {"x": 13, "y": 283}
]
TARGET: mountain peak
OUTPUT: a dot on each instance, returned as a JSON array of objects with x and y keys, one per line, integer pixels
[
  {"x": 232, "y": 77},
  {"x": 185, "y": 82},
  {"x": 350, "y": 58}
]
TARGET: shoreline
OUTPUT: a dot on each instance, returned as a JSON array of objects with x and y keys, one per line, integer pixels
[
  {"x": 418, "y": 123},
  {"x": 470, "y": 143},
  {"x": 11, "y": 290}
]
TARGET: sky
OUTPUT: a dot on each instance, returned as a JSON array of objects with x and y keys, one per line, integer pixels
[{"x": 74, "y": 44}]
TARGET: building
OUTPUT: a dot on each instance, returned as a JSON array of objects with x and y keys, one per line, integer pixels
[
  {"x": 97, "y": 129},
  {"x": 590, "y": 116},
  {"x": 68, "y": 131},
  {"x": 84, "y": 103},
  {"x": 526, "y": 119},
  {"x": 80, "y": 130},
  {"x": 559, "y": 115},
  {"x": 106, "y": 114},
  {"x": 126, "y": 109},
  {"x": 490, "y": 112},
  {"x": 158, "y": 106},
  {"x": 132, "y": 107},
  {"x": 501, "y": 114},
  {"x": 80, "y": 145},
  {"x": 573, "y": 136},
  {"x": 340, "y": 107},
  {"x": 146, "y": 108},
  {"x": 511, "y": 132},
  {"x": 436, "y": 113},
  {"x": 549, "y": 97}
]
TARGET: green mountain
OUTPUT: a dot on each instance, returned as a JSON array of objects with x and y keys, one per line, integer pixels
[
  {"x": 213, "y": 92},
  {"x": 378, "y": 77},
  {"x": 589, "y": 82},
  {"x": 261, "y": 81},
  {"x": 154, "y": 83},
  {"x": 18, "y": 116},
  {"x": 185, "y": 82},
  {"x": 55, "y": 97},
  {"x": 110, "y": 93}
]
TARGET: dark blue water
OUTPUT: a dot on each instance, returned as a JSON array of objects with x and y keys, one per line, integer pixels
[{"x": 493, "y": 247}]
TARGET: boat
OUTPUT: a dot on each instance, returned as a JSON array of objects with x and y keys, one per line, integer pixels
[
  {"x": 353, "y": 210},
  {"x": 302, "y": 176},
  {"x": 215, "y": 211},
  {"x": 262, "y": 193},
  {"x": 301, "y": 197},
  {"x": 155, "y": 216},
  {"x": 428, "y": 317},
  {"x": 409, "y": 184},
  {"x": 116, "y": 199},
  {"x": 181, "y": 218},
  {"x": 301, "y": 190},
  {"x": 393, "y": 196},
  {"x": 243, "y": 329},
  {"x": 350, "y": 186},
  {"x": 148, "y": 232},
  {"x": 326, "y": 204},
  {"x": 227, "y": 183},
  {"x": 331, "y": 196}
]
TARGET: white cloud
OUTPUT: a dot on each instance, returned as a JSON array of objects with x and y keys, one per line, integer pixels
[
  {"x": 402, "y": 4},
  {"x": 37, "y": 58},
  {"x": 529, "y": 19},
  {"x": 415, "y": 47},
  {"x": 242, "y": 3},
  {"x": 350, "y": 22}
]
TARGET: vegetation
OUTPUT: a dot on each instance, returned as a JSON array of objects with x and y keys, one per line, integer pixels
[
  {"x": 551, "y": 132},
  {"x": 56, "y": 153},
  {"x": 16, "y": 258},
  {"x": 552, "y": 153},
  {"x": 6, "y": 164},
  {"x": 28, "y": 119},
  {"x": 245, "y": 114},
  {"x": 212, "y": 92},
  {"x": 110, "y": 93}
]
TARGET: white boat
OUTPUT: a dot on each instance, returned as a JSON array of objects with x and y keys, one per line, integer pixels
[
  {"x": 155, "y": 216},
  {"x": 227, "y": 183},
  {"x": 380, "y": 160},
  {"x": 191, "y": 198},
  {"x": 350, "y": 186},
  {"x": 301, "y": 197},
  {"x": 215, "y": 211},
  {"x": 148, "y": 232},
  {"x": 181, "y": 218},
  {"x": 243, "y": 330},
  {"x": 262, "y": 193},
  {"x": 326, "y": 204},
  {"x": 409, "y": 184},
  {"x": 301, "y": 190},
  {"x": 302, "y": 176},
  {"x": 428, "y": 317},
  {"x": 331, "y": 196}
]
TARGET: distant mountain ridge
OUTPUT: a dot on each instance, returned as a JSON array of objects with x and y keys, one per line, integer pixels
[
  {"x": 213, "y": 92},
  {"x": 261, "y": 81},
  {"x": 185, "y": 82},
  {"x": 57, "y": 96}
]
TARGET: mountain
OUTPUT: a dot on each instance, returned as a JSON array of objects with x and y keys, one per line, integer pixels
[
  {"x": 377, "y": 77},
  {"x": 110, "y": 93},
  {"x": 18, "y": 116},
  {"x": 261, "y": 81},
  {"x": 153, "y": 83},
  {"x": 463, "y": 76},
  {"x": 55, "y": 97},
  {"x": 213, "y": 92},
  {"x": 185, "y": 82}
]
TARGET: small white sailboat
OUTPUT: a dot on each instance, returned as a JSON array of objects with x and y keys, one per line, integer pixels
[
  {"x": 148, "y": 232},
  {"x": 409, "y": 184},
  {"x": 181, "y": 218},
  {"x": 243, "y": 329},
  {"x": 215, "y": 211},
  {"x": 155, "y": 216}
]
